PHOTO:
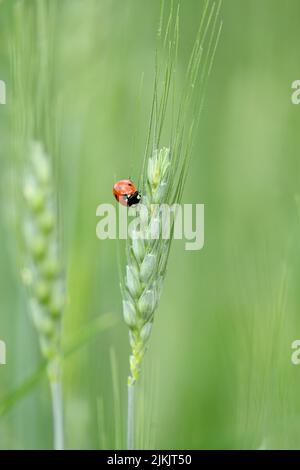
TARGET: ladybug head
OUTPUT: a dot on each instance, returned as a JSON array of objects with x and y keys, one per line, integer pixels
[{"x": 134, "y": 198}]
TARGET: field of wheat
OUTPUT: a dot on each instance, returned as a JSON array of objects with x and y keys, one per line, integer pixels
[{"x": 192, "y": 100}]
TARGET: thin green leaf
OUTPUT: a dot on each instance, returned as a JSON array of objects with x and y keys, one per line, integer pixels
[{"x": 80, "y": 339}]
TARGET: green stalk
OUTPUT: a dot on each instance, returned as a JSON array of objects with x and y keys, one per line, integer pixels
[
  {"x": 130, "y": 417},
  {"x": 57, "y": 409}
]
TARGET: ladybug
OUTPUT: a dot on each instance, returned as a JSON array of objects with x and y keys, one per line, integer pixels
[{"x": 126, "y": 193}]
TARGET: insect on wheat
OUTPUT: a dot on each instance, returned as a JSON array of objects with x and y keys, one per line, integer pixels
[{"x": 163, "y": 179}]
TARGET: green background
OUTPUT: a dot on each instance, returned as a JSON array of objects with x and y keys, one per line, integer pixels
[{"x": 218, "y": 373}]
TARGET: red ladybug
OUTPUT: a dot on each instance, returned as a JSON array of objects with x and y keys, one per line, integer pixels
[{"x": 126, "y": 193}]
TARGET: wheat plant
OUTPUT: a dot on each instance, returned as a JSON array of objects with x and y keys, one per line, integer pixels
[
  {"x": 35, "y": 118},
  {"x": 43, "y": 273},
  {"x": 174, "y": 119}
]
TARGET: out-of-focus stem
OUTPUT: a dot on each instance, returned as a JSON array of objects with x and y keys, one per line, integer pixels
[
  {"x": 57, "y": 408},
  {"x": 130, "y": 417}
]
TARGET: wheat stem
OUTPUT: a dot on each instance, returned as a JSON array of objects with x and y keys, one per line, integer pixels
[
  {"x": 130, "y": 417},
  {"x": 57, "y": 409}
]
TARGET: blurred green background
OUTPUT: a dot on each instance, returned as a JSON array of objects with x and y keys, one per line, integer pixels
[{"x": 218, "y": 373}]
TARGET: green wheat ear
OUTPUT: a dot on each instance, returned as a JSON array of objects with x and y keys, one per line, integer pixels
[
  {"x": 43, "y": 273},
  {"x": 163, "y": 178},
  {"x": 146, "y": 264}
]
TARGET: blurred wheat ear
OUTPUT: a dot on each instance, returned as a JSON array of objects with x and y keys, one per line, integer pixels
[
  {"x": 163, "y": 177},
  {"x": 43, "y": 273},
  {"x": 35, "y": 118}
]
